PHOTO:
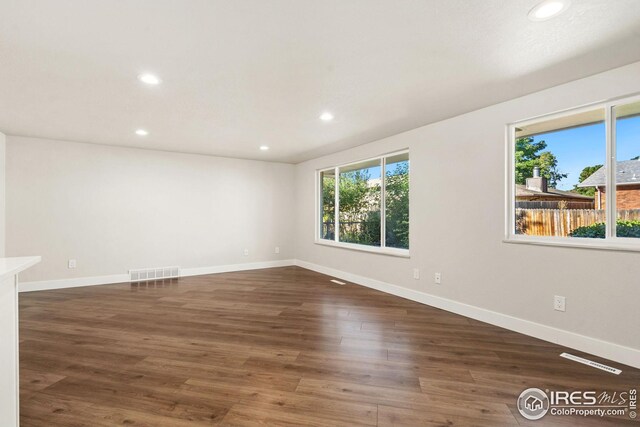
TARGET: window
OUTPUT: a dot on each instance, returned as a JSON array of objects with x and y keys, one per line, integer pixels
[
  {"x": 397, "y": 201},
  {"x": 574, "y": 177},
  {"x": 359, "y": 191},
  {"x": 365, "y": 205},
  {"x": 627, "y": 177},
  {"x": 328, "y": 197}
]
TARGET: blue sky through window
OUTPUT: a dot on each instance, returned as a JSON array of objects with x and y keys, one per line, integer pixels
[{"x": 586, "y": 146}]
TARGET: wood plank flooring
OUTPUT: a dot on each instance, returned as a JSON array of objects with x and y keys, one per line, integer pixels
[{"x": 281, "y": 346}]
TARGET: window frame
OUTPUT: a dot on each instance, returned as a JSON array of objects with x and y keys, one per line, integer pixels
[
  {"x": 611, "y": 241},
  {"x": 383, "y": 248}
]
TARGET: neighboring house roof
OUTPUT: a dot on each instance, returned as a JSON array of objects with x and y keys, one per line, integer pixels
[
  {"x": 522, "y": 191},
  {"x": 627, "y": 173}
]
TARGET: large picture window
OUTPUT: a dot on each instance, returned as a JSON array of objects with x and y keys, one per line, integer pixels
[
  {"x": 366, "y": 204},
  {"x": 574, "y": 177}
]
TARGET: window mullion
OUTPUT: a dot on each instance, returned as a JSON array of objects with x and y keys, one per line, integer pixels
[
  {"x": 510, "y": 209},
  {"x": 320, "y": 207},
  {"x": 383, "y": 190},
  {"x": 610, "y": 179},
  {"x": 336, "y": 210}
]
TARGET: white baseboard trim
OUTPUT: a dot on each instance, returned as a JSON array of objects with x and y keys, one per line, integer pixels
[
  {"x": 198, "y": 271},
  {"x": 77, "y": 282},
  {"x": 616, "y": 352},
  {"x": 124, "y": 278}
]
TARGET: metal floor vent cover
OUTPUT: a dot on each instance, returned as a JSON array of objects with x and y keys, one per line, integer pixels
[
  {"x": 591, "y": 363},
  {"x": 158, "y": 273}
]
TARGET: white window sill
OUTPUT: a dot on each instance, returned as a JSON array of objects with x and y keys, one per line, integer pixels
[
  {"x": 402, "y": 253},
  {"x": 619, "y": 244}
]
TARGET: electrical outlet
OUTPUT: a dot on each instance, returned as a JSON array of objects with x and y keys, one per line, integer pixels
[
  {"x": 437, "y": 278},
  {"x": 559, "y": 303},
  {"x": 72, "y": 263},
  {"x": 246, "y": 252},
  {"x": 416, "y": 273},
  {"x": 277, "y": 250}
]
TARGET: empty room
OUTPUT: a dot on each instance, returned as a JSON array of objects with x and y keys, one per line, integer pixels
[{"x": 319, "y": 213}]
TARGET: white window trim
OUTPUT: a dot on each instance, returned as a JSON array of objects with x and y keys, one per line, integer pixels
[
  {"x": 383, "y": 249},
  {"x": 611, "y": 241},
  {"x": 398, "y": 252}
]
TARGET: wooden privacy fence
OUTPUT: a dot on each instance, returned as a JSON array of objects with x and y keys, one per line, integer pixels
[
  {"x": 537, "y": 204},
  {"x": 560, "y": 222}
]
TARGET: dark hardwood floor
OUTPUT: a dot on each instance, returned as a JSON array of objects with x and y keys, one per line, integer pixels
[{"x": 281, "y": 346}]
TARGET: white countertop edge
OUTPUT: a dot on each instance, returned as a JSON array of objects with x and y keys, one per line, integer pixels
[{"x": 13, "y": 266}]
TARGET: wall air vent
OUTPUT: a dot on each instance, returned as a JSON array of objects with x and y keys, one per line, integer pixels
[{"x": 159, "y": 273}]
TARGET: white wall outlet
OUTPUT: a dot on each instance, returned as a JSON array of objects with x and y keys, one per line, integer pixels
[
  {"x": 558, "y": 303},
  {"x": 246, "y": 252},
  {"x": 72, "y": 263},
  {"x": 437, "y": 278},
  {"x": 277, "y": 249},
  {"x": 416, "y": 273}
]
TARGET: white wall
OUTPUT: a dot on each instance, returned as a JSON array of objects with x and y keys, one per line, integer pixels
[
  {"x": 458, "y": 168},
  {"x": 2, "y": 192},
  {"x": 114, "y": 208}
]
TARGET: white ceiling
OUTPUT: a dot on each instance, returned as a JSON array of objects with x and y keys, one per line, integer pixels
[{"x": 238, "y": 74}]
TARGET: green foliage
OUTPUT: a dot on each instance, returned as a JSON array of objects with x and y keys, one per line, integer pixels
[
  {"x": 356, "y": 195},
  {"x": 597, "y": 230},
  {"x": 529, "y": 154},
  {"x": 397, "y": 215},
  {"x": 366, "y": 232},
  {"x": 328, "y": 206},
  {"x": 360, "y": 207},
  {"x": 593, "y": 231},
  {"x": 586, "y": 173}
]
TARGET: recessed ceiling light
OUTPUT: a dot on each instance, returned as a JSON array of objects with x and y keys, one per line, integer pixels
[
  {"x": 264, "y": 147},
  {"x": 142, "y": 132},
  {"x": 149, "y": 79},
  {"x": 326, "y": 116},
  {"x": 548, "y": 9}
]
